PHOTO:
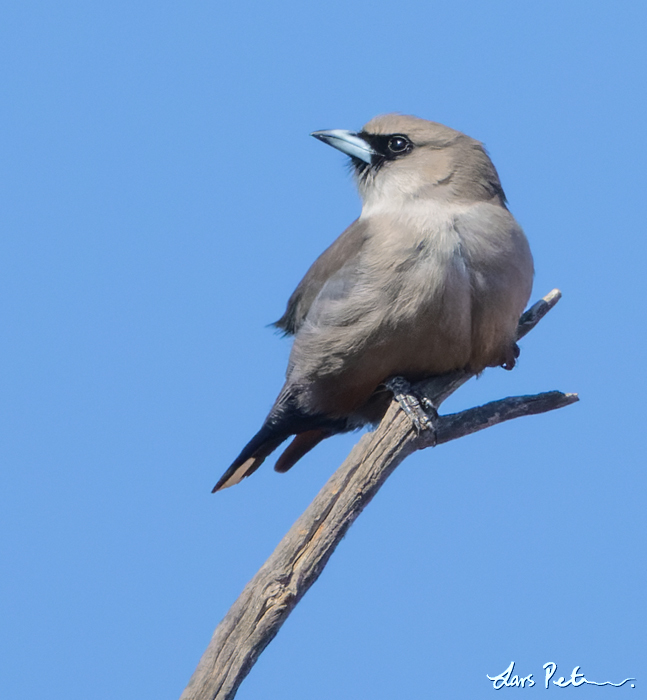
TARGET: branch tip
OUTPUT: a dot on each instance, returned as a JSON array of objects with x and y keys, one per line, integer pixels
[{"x": 530, "y": 318}]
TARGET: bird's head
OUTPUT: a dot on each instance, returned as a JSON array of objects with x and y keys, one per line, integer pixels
[{"x": 397, "y": 158}]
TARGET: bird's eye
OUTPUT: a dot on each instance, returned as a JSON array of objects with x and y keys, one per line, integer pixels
[{"x": 398, "y": 144}]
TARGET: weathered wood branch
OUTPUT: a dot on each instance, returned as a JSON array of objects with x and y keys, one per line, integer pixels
[{"x": 296, "y": 563}]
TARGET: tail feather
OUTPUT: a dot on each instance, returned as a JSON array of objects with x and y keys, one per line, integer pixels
[
  {"x": 301, "y": 445},
  {"x": 285, "y": 419},
  {"x": 250, "y": 459}
]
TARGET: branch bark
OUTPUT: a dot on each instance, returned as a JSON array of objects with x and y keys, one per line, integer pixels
[{"x": 298, "y": 560}]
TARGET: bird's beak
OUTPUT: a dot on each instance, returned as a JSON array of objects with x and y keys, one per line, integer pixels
[{"x": 347, "y": 142}]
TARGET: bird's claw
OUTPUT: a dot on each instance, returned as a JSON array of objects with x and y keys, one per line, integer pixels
[
  {"x": 419, "y": 409},
  {"x": 511, "y": 359}
]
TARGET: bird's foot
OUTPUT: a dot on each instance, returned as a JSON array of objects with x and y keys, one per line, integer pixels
[
  {"x": 420, "y": 410},
  {"x": 511, "y": 359}
]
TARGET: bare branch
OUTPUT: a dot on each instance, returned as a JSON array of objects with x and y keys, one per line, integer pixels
[
  {"x": 536, "y": 312},
  {"x": 457, "y": 425},
  {"x": 296, "y": 563}
]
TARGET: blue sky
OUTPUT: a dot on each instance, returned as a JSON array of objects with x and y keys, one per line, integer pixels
[{"x": 160, "y": 199}]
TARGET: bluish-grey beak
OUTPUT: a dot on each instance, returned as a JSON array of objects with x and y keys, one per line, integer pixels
[{"x": 347, "y": 142}]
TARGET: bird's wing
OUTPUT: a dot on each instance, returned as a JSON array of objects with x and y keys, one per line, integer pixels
[{"x": 344, "y": 249}]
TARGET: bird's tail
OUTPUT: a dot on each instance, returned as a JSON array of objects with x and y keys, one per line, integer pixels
[
  {"x": 301, "y": 445},
  {"x": 250, "y": 459},
  {"x": 285, "y": 419}
]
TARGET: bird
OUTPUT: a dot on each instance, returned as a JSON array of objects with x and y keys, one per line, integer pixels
[{"x": 431, "y": 277}]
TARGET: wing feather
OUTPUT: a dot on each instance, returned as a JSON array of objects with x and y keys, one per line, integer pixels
[{"x": 336, "y": 256}]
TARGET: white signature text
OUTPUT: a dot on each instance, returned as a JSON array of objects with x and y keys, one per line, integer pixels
[{"x": 508, "y": 680}]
